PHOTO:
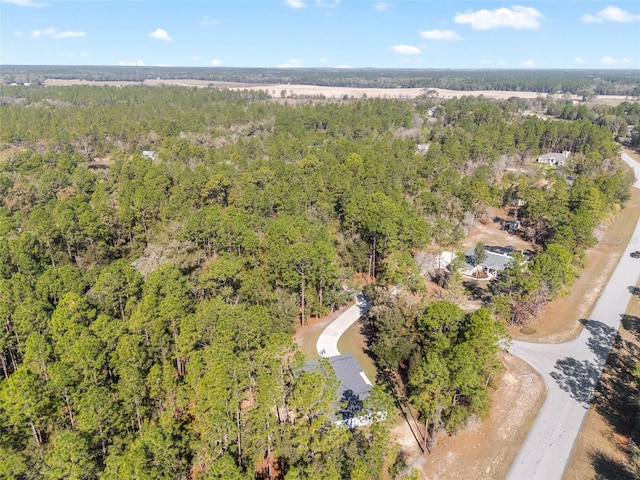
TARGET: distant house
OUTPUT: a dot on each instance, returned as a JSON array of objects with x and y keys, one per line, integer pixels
[
  {"x": 422, "y": 148},
  {"x": 354, "y": 388},
  {"x": 497, "y": 260},
  {"x": 150, "y": 154},
  {"x": 553, "y": 158}
]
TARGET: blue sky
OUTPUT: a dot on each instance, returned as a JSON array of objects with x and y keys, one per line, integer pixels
[{"x": 322, "y": 33}]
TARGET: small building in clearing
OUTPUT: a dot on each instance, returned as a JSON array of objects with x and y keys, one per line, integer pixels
[{"x": 554, "y": 158}]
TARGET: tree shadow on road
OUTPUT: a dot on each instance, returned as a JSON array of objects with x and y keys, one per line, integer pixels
[
  {"x": 580, "y": 377},
  {"x": 601, "y": 339},
  {"x": 577, "y": 377}
]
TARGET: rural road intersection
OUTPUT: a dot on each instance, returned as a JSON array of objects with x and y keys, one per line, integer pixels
[{"x": 571, "y": 371}]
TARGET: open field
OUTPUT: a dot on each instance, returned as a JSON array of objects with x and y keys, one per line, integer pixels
[{"x": 334, "y": 92}]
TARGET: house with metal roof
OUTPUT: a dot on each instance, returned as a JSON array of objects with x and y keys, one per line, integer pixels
[
  {"x": 354, "y": 387},
  {"x": 497, "y": 260}
]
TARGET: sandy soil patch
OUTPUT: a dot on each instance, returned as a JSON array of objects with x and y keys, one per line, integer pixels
[
  {"x": 307, "y": 336},
  {"x": 491, "y": 233},
  {"x": 486, "y": 448}
]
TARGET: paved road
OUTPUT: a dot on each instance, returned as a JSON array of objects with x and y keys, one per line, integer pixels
[
  {"x": 327, "y": 344},
  {"x": 571, "y": 371}
]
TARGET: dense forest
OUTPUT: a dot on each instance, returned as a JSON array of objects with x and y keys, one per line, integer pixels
[
  {"x": 159, "y": 246},
  {"x": 580, "y": 82}
]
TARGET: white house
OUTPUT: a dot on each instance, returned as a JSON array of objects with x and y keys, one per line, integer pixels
[
  {"x": 553, "y": 158},
  {"x": 497, "y": 259}
]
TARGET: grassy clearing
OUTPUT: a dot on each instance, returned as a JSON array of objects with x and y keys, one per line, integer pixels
[{"x": 354, "y": 342}]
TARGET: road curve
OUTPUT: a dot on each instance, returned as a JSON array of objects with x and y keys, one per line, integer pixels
[
  {"x": 327, "y": 344},
  {"x": 571, "y": 371}
]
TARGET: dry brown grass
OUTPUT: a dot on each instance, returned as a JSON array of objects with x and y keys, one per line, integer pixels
[
  {"x": 486, "y": 448},
  {"x": 560, "y": 320},
  {"x": 602, "y": 446}
]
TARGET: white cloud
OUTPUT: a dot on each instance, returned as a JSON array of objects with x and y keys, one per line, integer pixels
[
  {"x": 327, "y": 3},
  {"x": 588, "y": 18},
  {"x": 24, "y": 3},
  {"x": 69, "y": 34},
  {"x": 406, "y": 49},
  {"x": 502, "y": 63},
  {"x": 324, "y": 60},
  {"x": 342, "y": 66},
  {"x": 440, "y": 35},
  {"x": 161, "y": 34},
  {"x": 528, "y": 63},
  {"x": 615, "y": 14},
  {"x": 207, "y": 22},
  {"x": 135, "y": 63},
  {"x": 484, "y": 61},
  {"x": 43, "y": 33},
  {"x": 294, "y": 3},
  {"x": 216, "y": 62},
  {"x": 614, "y": 61},
  {"x": 578, "y": 60},
  {"x": 517, "y": 17},
  {"x": 293, "y": 63},
  {"x": 53, "y": 33},
  {"x": 612, "y": 14},
  {"x": 382, "y": 6}
]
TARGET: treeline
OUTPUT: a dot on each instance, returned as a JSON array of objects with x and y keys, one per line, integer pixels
[
  {"x": 622, "y": 120},
  {"x": 599, "y": 82},
  {"x": 256, "y": 214}
]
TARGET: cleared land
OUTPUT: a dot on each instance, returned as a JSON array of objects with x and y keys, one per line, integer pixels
[{"x": 335, "y": 92}]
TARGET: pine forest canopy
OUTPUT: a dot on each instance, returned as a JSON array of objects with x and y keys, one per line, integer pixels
[{"x": 148, "y": 302}]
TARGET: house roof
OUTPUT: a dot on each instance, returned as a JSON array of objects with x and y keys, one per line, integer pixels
[
  {"x": 354, "y": 385},
  {"x": 497, "y": 257},
  {"x": 558, "y": 157},
  {"x": 349, "y": 373}
]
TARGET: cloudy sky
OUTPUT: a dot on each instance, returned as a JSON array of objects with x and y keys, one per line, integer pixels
[{"x": 322, "y": 33}]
